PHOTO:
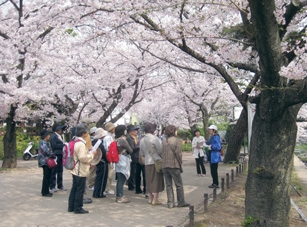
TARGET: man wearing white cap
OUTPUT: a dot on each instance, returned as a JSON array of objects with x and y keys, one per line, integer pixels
[
  {"x": 110, "y": 128},
  {"x": 214, "y": 154}
]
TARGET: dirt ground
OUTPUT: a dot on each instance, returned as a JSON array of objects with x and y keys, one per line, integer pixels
[{"x": 228, "y": 209}]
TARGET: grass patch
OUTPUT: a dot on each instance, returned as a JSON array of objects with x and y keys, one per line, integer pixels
[{"x": 187, "y": 147}]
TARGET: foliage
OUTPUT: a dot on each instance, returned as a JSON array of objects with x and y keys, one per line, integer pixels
[
  {"x": 187, "y": 147},
  {"x": 22, "y": 140},
  {"x": 184, "y": 134},
  {"x": 250, "y": 222}
]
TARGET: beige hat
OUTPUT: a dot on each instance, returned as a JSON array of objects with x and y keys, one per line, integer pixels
[
  {"x": 86, "y": 120},
  {"x": 100, "y": 133},
  {"x": 109, "y": 126}
]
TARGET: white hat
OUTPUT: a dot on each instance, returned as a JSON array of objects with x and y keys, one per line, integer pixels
[
  {"x": 100, "y": 133},
  {"x": 92, "y": 130},
  {"x": 213, "y": 127}
]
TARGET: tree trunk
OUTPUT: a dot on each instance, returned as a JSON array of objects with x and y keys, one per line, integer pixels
[
  {"x": 270, "y": 165},
  {"x": 9, "y": 141},
  {"x": 237, "y": 137}
]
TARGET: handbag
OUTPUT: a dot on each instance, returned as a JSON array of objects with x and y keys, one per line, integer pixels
[
  {"x": 158, "y": 165},
  {"x": 51, "y": 163}
]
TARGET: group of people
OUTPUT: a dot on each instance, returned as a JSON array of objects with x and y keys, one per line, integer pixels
[
  {"x": 52, "y": 177},
  {"x": 213, "y": 148},
  {"x": 137, "y": 161}
]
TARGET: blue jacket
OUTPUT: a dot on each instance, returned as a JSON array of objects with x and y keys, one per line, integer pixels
[{"x": 216, "y": 147}]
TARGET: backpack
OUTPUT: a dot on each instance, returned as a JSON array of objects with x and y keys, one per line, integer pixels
[
  {"x": 68, "y": 155},
  {"x": 112, "y": 154}
]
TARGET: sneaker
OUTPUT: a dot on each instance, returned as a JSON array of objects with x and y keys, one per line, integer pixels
[
  {"x": 62, "y": 189},
  {"x": 213, "y": 186},
  {"x": 183, "y": 205},
  {"x": 87, "y": 201},
  {"x": 53, "y": 190},
  {"x": 91, "y": 189},
  {"x": 122, "y": 200},
  {"x": 110, "y": 192}
]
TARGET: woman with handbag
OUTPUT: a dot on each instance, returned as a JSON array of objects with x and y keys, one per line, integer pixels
[
  {"x": 214, "y": 156},
  {"x": 45, "y": 152},
  {"x": 150, "y": 151},
  {"x": 172, "y": 167}
]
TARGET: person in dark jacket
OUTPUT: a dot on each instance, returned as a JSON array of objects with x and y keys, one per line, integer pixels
[
  {"x": 44, "y": 153},
  {"x": 57, "y": 145},
  {"x": 137, "y": 169},
  {"x": 102, "y": 166}
]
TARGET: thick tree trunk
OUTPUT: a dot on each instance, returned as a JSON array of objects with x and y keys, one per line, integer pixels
[
  {"x": 237, "y": 137},
  {"x": 270, "y": 165},
  {"x": 9, "y": 141}
]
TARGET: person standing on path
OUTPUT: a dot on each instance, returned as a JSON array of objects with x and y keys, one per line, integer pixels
[
  {"x": 82, "y": 159},
  {"x": 214, "y": 154},
  {"x": 44, "y": 153},
  {"x": 134, "y": 181},
  {"x": 150, "y": 151},
  {"x": 171, "y": 165},
  {"x": 92, "y": 176},
  {"x": 198, "y": 153},
  {"x": 110, "y": 128},
  {"x": 57, "y": 144},
  {"x": 101, "y": 167},
  {"x": 122, "y": 167}
]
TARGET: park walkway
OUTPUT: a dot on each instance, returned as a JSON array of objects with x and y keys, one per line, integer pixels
[{"x": 22, "y": 205}]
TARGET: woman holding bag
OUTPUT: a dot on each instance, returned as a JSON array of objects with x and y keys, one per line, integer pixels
[
  {"x": 150, "y": 151},
  {"x": 171, "y": 163},
  {"x": 214, "y": 154},
  {"x": 44, "y": 153}
]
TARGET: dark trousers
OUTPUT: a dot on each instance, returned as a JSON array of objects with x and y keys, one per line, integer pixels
[
  {"x": 131, "y": 180},
  {"x": 102, "y": 170},
  {"x": 200, "y": 165},
  {"x": 121, "y": 179},
  {"x": 170, "y": 175},
  {"x": 57, "y": 174},
  {"x": 140, "y": 169},
  {"x": 46, "y": 180},
  {"x": 75, "y": 200},
  {"x": 214, "y": 174}
]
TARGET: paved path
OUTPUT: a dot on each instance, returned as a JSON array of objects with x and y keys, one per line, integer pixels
[{"x": 22, "y": 205}]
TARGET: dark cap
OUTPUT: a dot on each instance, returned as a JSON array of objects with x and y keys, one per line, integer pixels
[
  {"x": 44, "y": 133},
  {"x": 59, "y": 127},
  {"x": 132, "y": 128}
]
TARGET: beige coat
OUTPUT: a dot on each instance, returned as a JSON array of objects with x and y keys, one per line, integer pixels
[{"x": 82, "y": 159}]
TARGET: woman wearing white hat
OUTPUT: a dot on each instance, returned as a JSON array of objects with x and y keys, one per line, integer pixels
[{"x": 214, "y": 154}]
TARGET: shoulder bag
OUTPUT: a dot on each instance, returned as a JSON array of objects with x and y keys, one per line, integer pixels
[{"x": 158, "y": 163}]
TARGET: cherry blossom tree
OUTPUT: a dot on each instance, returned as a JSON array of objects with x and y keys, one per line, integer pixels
[{"x": 258, "y": 42}]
